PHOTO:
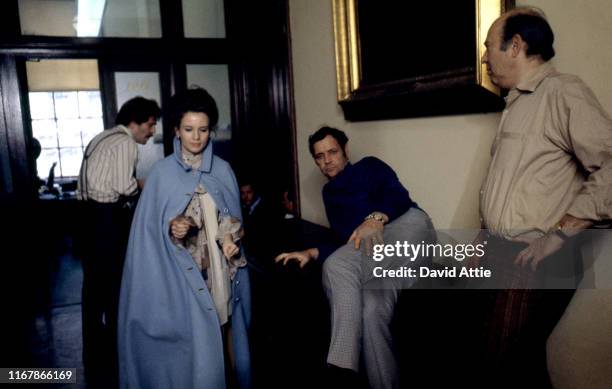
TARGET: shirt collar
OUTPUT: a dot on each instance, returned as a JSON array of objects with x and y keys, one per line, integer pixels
[
  {"x": 531, "y": 82},
  {"x": 535, "y": 77},
  {"x": 207, "y": 156},
  {"x": 254, "y": 205},
  {"x": 126, "y": 130}
]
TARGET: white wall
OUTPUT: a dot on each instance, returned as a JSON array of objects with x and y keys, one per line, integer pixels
[{"x": 442, "y": 160}]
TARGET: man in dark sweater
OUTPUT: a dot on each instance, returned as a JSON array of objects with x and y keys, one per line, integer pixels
[{"x": 366, "y": 205}]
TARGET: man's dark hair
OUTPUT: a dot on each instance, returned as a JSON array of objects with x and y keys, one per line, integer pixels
[
  {"x": 322, "y": 132},
  {"x": 192, "y": 100},
  {"x": 534, "y": 29},
  {"x": 248, "y": 181},
  {"x": 137, "y": 110}
]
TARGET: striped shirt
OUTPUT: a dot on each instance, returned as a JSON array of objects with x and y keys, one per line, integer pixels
[{"x": 108, "y": 170}]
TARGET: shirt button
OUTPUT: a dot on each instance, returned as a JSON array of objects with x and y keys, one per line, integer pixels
[
  {"x": 225, "y": 210},
  {"x": 238, "y": 282},
  {"x": 237, "y": 299}
]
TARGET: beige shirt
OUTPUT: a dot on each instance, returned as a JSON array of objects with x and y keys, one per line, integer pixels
[
  {"x": 109, "y": 166},
  {"x": 552, "y": 156}
]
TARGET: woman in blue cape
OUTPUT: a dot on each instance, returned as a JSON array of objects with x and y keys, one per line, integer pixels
[{"x": 184, "y": 309}]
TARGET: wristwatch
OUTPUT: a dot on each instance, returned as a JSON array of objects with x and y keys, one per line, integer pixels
[
  {"x": 558, "y": 230},
  {"x": 376, "y": 216}
]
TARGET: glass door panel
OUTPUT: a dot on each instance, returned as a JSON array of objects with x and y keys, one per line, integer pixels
[
  {"x": 203, "y": 19},
  {"x": 215, "y": 79},
  {"x": 91, "y": 18}
]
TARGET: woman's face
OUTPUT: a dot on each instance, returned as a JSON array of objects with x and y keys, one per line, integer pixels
[{"x": 194, "y": 132}]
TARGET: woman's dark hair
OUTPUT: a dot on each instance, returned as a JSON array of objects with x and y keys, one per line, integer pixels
[
  {"x": 137, "y": 110},
  {"x": 534, "y": 29},
  {"x": 322, "y": 132},
  {"x": 192, "y": 100}
]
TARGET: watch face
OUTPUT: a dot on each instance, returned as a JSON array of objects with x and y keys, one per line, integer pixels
[{"x": 376, "y": 216}]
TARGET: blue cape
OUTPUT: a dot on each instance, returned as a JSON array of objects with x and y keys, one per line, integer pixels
[{"x": 169, "y": 334}]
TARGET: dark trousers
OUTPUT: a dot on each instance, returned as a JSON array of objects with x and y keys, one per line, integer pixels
[
  {"x": 520, "y": 316},
  {"x": 107, "y": 230}
]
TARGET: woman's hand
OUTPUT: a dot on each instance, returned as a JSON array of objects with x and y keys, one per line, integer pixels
[
  {"x": 179, "y": 226},
  {"x": 229, "y": 247},
  {"x": 301, "y": 257}
]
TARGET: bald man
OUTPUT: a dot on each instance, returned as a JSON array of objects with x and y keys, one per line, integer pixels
[{"x": 549, "y": 179}]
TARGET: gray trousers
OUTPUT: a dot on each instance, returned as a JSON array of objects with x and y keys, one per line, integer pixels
[{"x": 361, "y": 317}]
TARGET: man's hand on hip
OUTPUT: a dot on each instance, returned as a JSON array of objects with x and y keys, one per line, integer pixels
[
  {"x": 550, "y": 243},
  {"x": 538, "y": 250}
]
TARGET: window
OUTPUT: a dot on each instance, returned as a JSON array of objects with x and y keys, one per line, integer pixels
[
  {"x": 64, "y": 123},
  {"x": 203, "y": 19},
  {"x": 96, "y": 18}
]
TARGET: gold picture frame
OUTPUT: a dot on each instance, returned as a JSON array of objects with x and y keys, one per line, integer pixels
[{"x": 424, "y": 93}]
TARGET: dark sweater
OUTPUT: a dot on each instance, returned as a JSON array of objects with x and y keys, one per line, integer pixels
[{"x": 360, "y": 189}]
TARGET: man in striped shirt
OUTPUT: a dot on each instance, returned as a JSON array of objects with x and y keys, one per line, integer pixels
[{"x": 108, "y": 186}]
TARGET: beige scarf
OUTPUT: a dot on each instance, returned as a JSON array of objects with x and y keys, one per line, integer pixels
[{"x": 204, "y": 249}]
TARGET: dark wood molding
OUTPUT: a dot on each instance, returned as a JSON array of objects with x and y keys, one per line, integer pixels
[
  {"x": 171, "y": 13},
  {"x": 6, "y": 175},
  {"x": 9, "y": 22},
  {"x": 264, "y": 129},
  {"x": 15, "y": 125},
  {"x": 458, "y": 100},
  {"x": 291, "y": 113},
  {"x": 205, "y": 50}
]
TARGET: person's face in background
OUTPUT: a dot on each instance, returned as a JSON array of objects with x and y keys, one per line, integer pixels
[
  {"x": 288, "y": 204},
  {"x": 194, "y": 132},
  {"x": 247, "y": 195},
  {"x": 329, "y": 156},
  {"x": 143, "y": 131}
]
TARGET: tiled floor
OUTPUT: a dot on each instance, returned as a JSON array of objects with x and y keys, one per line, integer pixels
[
  {"x": 56, "y": 341},
  {"x": 289, "y": 333}
]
